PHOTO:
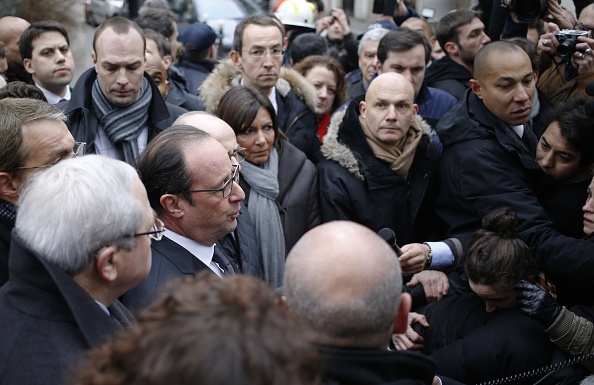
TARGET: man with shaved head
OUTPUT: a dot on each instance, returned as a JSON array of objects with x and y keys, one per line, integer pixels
[
  {"x": 488, "y": 163},
  {"x": 344, "y": 282},
  {"x": 380, "y": 171},
  {"x": 11, "y": 29},
  {"x": 240, "y": 246}
]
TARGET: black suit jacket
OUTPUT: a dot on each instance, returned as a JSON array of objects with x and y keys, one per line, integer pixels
[
  {"x": 47, "y": 321},
  {"x": 170, "y": 261}
]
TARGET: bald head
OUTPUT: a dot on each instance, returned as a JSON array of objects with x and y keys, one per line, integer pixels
[
  {"x": 388, "y": 109},
  {"x": 215, "y": 127},
  {"x": 345, "y": 282},
  {"x": 483, "y": 63},
  {"x": 11, "y": 29},
  {"x": 390, "y": 80}
]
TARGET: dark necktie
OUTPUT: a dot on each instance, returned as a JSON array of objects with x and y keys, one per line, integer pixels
[{"x": 223, "y": 262}]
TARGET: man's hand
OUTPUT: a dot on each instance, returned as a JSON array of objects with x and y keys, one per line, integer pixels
[
  {"x": 413, "y": 259},
  {"x": 583, "y": 59},
  {"x": 435, "y": 283},
  {"x": 341, "y": 17},
  {"x": 547, "y": 44},
  {"x": 558, "y": 15},
  {"x": 536, "y": 303},
  {"x": 411, "y": 340}
]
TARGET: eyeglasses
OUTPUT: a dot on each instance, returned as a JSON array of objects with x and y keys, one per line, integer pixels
[
  {"x": 78, "y": 150},
  {"x": 156, "y": 233},
  {"x": 260, "y": 53},
  {"x": 583, "y": 27},
  {"x": 239, "y": 154},
  {"x": 227, "y": 186}
]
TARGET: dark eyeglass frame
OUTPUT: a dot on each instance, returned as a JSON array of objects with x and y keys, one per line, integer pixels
[
  {"x": 78, "y": 150},
  {"x": 234, "y": 178},
  {"x": 156, "y": 233}
]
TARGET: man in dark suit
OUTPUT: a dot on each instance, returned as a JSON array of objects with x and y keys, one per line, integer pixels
[
  {"x": 241, "y": 245},
  {"x": 82, "y": 238},
  {"x": 192, "y": 185}
]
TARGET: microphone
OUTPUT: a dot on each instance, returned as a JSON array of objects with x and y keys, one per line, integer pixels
[{"x": 389, "y": 236}]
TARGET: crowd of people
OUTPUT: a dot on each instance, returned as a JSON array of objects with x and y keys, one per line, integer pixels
[{"x": 410, "y": 205}]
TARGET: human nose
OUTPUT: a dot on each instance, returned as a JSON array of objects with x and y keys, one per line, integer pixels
[
  {"x": 489, "y": 307},
  {"x": 122, "y": 78},
  {"x": 237, "y": 193},
  {"x": 391, "y": 113},
  {"x": 589, "y": 205},
  {"x": 521, "y": 94},
  {"x": 486, "y": 38},
  {"x": 260, "y": 139},
  {"x": 322, "y": 93},
  {"x": 547, "y": 160}
]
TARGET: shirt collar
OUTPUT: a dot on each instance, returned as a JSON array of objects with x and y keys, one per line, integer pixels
[
  {"x": 200, "y": 251},
  {"x": 53, "y": 98}
]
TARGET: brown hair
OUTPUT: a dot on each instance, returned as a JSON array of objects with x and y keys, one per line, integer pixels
[
  {"x": 212, "y": 331},
  {"x": 496, "y": 255},
  {"x": 239, "y": 107},
  {"x": 332, "y": 65}
]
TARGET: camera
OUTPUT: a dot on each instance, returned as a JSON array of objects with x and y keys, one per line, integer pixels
[
  {"x": 567, "y": 40},
  {"x": 526, "y": 10}
]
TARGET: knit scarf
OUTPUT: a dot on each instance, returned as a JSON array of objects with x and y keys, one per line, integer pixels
[
  {"x": 263, "y": 181},
  {"x": 399, "y": 156},
  {"x": 124, "y": 125}
]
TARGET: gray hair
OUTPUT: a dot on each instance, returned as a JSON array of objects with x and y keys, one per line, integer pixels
[
  {"x": 13, "y": 153},
  {"x": 70, "y": 211},
  {"x": 374, "y": 34}
]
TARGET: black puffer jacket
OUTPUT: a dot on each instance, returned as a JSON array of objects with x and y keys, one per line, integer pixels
[
  {"x": 486, "y": 166},
  {"x": 356, "y": 186}
]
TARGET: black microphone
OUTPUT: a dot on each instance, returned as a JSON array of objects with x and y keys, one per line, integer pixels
[{"x": 389, "y": 236}]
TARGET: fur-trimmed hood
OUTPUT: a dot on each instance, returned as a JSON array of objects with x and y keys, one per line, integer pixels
[
  {"x": 341, "y": 152},
  {"x": 226, "y": 75}
]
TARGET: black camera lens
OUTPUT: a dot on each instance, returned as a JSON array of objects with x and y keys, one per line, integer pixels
[{"x": 566, "y": 48}]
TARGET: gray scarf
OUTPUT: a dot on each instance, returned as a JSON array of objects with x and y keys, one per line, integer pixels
[
  {"x": 263, "y": 209},
  {"x": 123, "y": 126}
]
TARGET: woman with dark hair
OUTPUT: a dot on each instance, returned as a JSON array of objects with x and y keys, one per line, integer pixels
[
  {"x": 280, "y": 183},
  {"x": 477, "y": 334},
  {"x": 327, "y": 76},
  {"x": 565, "y": 153}
]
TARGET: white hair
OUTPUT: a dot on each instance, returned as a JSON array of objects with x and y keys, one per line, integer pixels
[
  {"x": 69, "y": 212},
  {"x": 374, "y": 34}
]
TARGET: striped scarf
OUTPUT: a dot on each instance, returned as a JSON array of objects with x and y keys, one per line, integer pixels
[{"x": 124, "y": 125}]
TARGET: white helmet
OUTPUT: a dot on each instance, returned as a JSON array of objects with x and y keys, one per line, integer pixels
[{"x": 298, "y": 13}]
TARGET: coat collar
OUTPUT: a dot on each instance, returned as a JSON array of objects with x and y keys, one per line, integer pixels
[{"x": 226, "y": 75}]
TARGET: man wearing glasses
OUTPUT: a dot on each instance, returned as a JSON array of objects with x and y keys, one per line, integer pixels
[
  {"x": 240, "y": 246},
  {"x": 192, "y": 185},
  {"x": 33, "y": 137},
  {"x": 567, "y": 76},
  {"x": 82, "y": 238},
  {"x": 256, "y": 62}
]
